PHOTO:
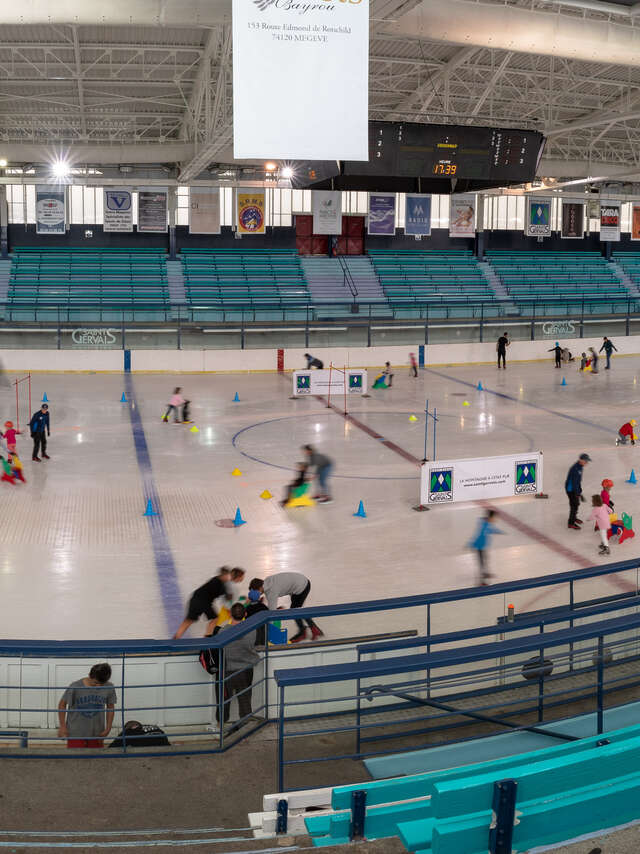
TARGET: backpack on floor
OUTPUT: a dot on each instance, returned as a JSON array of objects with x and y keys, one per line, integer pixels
[{"x": 210, "y": 658}]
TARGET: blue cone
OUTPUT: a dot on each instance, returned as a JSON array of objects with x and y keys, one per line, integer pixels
[
  {"x": 236, "y": 399},
  {"x": 360, "y": 511},
  {"x": 149, "y": 511},
  {"x": 564, "y": 381},
  {"x": 45, "y": 399},
  {"x": 632, "y": 477},
  {"x": 238, "y": 520},
  {"x": 123, "y": 399},
  {"x": 479, "y": 387}
]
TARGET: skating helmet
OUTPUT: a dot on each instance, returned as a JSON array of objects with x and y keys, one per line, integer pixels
[
  {"x": 633, "y": 422},
  {"x": 607, "y": 484},
  {"x": 8, "y": 424}
]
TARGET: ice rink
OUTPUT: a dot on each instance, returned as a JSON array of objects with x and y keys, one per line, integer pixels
[{"x": 79, "y": 559}]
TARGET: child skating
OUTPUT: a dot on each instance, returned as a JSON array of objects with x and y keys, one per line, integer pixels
[
  {"x": 558, "y": 352},
  {"x": 176, "y": 401},
  {"x": 414, "y": 364},
  {"x": 9, "y": 436},
  {"x": 605, "y": 493},
  {"x": 626, "y": 434},
  {"x": 600, "y": 515},
  {"x": 480, "y": 543}
]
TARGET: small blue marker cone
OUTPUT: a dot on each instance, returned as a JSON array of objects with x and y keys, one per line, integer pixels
[
  {"x": 479, "y": 387},
  {"x": 238, "y": 520},
  {"x": 45, "y": 399},
  {"x": 149, "y": 511},
  {"x": 632, "y": 477},
  {"x": 236, "y": 399},
  {"x": 360, "y": 511},
  {"x": 564, "y": 381},
  {"x": 123, "y": 399}
]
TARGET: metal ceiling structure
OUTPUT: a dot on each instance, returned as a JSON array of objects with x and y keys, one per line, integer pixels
[{"x": 136, "y": 87}]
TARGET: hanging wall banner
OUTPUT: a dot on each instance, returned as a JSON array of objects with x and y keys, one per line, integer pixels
[
  {"x": 635, "y": 222},
  {"x": 204, "y": 210},
  {"x": 327, "y": 211},
  {"x": 610, "y": 221},
  {"x": 462, "y": 216},
  {"x": 382, "y": 213},
  {"x": 448, "y": 481},
  {"x": 118, "y": 210},
  {"x": 152, "y": 210},
  {"x": 288, "y": 54},
  {"x": 538, "y": 221},
  {"x": 572, "y": 221},
  {"x": 50, "y": 210},
  {"x": 251, "y": 211},
  {"x": 417, "y": 215}
]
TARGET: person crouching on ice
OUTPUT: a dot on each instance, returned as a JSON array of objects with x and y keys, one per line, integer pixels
[{"x": 625, "y": 433}]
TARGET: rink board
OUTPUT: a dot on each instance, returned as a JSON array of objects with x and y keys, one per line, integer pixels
[{"x": 351, "y": 381}]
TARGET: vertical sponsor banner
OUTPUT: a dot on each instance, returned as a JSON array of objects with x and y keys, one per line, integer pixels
[
  {"x": 609, "y": 220},
  {"x": 152, "y": 209},
  {"x": 635, "y": 222},
  {"x": 417, "y": 215},
  {"x": 250, "y": 206},
  {"x": 538, "y": 222},
  {"x": 382, "y": 214},
  {"x": 204, "y": 210},
  {"x": 572, "y": 226},
  {"x": 301, "y": 50},
  {"x": 50, "y": 209},
  {"x": 327, "y": 211},
  {"x": 118, "y": 210},
  {"x": 462, "y": 216}
]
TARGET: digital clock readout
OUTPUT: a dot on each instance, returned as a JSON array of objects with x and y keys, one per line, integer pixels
[{"x": 445, "y": 168}]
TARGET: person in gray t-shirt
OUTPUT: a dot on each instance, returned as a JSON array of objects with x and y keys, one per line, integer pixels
[
  {"x": 84, "y": 724},
  {"x": 323, "y": 466}
]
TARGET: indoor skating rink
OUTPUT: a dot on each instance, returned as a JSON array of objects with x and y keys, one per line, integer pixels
[{"x": 80, "y": 561}]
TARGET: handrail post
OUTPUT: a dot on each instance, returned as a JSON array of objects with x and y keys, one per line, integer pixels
[
  {"x": 122, "y": 715},
  {"x": 600, "y": 692},
  {"x": 281, "y": 742},
  {"x": 541, "y": 687},
  {"x": 481, "y": 322},
  {"x": 533, "y": 321}
]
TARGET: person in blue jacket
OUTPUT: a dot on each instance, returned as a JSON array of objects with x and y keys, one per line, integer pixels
[
  {"x": 480, "y": 543},
  {"x": 39, "y": 427},
  {"x": 573, "y": 488}
]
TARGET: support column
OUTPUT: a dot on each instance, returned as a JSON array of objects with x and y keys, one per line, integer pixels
[
  {"x": 4, "y": 223},
  {"x": 172, "y": 199}
]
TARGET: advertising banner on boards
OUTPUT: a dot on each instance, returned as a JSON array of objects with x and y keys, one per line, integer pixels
[
  {"x": 50, "y": 209},
  {"x": 610, "y": 221},
  {"x": 285, "y": 53},
  {"x": 152, "y": 209},
  {"x": 250, "y": 209},
  {"x": 204, "y": 210},
  {"x": 118, "y": 210},
  {"x": 326, "y": 206},
  {"x": 382, "y": 214},
  {"x": 572, "y": 226},
  {"x": 462, "y": 215},
  {"x": 350, "y": 381},
  {"x": 635, "y": 222},
  {"x": 448, "y": 481},
  {"x": 538, "y": 221},
  {"x": 417, "y": 215}
]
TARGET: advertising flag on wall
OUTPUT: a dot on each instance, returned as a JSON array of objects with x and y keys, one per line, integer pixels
[
  {"x": 327, "y": 211},
  {"x": 610, "y": 221},
  {"x": 538, "y": 222},
  {"x": 118, "y": 210},
  {"x": 635, "y": 222},
  {"x": 251, "y": 211},
  {"x": 572, "y": 220},
  {"x": 50, "y": 210},
  {"x": 204, "y": 210},
  {"x": 417, "y": 215},
  {"x": 152, "y": 210},
  {"x": 462, "y": 216},
  {"x": 382, "y": 213},
  {"x": 300, "y": 50}
]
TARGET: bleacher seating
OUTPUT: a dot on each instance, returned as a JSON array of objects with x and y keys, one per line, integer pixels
[
  {"x": 43, "y": 281},
  {"x": 630, "y": 263}
]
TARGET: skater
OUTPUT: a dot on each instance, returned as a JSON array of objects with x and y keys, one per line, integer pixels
[
  {"x": 626, "y": 433},
  {"x": 186, "y": 413},
  {"x": 608, "y": 347},
  {"x": 583, "y": 362},
  {"x": 9, "y": 436},
  {"x": 176, "y": 401},
  {"x": 600, "y": 515},
  {"x": 38, "y": 425},
  {"x": 558, "y": 351},
  {"x": 296, "y": 483},
  {"x": 312, "y": 362},
  {"x": 16, "y": 467},
  {"x": 573, "y": 488},
  {"x": 202, "y": 600},
  {"x": 480, "y": 543},
  {"x": 567, "y": 356},
  {"x": 414, "y": 364},
  {"x": 605, "y": 493},
  {"x": 387, "y": 373},
  {"x": 594, "y": 360},
  {"x": 293, "y": 584},
  {"x": 501, "y": 349},
  {"x": 323, "y": 466}
]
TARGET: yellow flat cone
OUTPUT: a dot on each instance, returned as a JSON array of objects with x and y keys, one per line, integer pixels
[
  {"x": 266, "y": 494},
  {"x": 194, "y": 429},
  {"x": 412, "y": 418},
  {"x": 466, "y": 403},
  {"x": 236, "y": 472}
]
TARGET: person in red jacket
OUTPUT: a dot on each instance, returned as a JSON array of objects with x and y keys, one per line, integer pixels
[{"x": 626, "y": 432}]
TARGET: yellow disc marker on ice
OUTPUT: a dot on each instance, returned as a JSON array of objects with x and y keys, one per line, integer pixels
[
  {"x": 412, "y": 418},
  {"x": 236, "y": 472},
  {"x": 194, "y": 429},
  {"x": 466, "y": 403},
  {"x": 266, "y": 494}
]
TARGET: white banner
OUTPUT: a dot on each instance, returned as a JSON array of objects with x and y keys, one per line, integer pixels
[
  {"x": 609, "y": 220},
  {"x": 538, "y": 217},
  {"x": 462, "y": 216},
  {"x": 50, "y": 209},
  {"x": 353, "y": 381},
  {"x": 204, "y": 210},
  {"x": 327, "y": 211},
  {"x": 448, "y": 481},
  {"x": 301, "y": 79},
  {"x": 118, "y": 210}
]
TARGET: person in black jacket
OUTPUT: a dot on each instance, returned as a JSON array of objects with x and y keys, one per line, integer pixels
[
  {"x": 202, "y": 600},
  {"x": 558, "y": 351},
  {"x": 573, "y": 488},
  {"x": 38, "y": 425},
  {"x": 312, "y": 362},
  {"x": 608, "y": 347}
]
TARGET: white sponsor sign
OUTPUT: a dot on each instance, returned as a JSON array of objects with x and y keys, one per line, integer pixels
[
  {"x": 300, "y": 79},
  {"x": 204, "y": 210},
  {"x": 538, "y": 220},
  {"x": 50, "y": 209},
  {"x": 448, "y": 481},
  {"x": 610, "y": 221},
  {"x": 94, "y": 337},
  {"x": 118, "y": 210},
  {"x": 327, "y": 211},
  {"x": 352, "y": 380},
  {"x": 462, "y": 216}
]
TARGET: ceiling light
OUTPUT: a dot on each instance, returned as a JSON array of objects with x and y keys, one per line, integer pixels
[
  {"x": 286, "y": 172},
  {"x": 60, "y": 169},
  {"x": 270, "y": 166},
  {"x": 3, "y": 162}
]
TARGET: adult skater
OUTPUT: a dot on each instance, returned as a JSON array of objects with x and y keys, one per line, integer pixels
[
  {"x": 312, "y": 362},
  {"x": 323, "y": 466},
  {"x": 39, "y": 426},
  {"x": 594, "y": 361},
  {"x": 608, "y": 347},
  {"x": 573, "y": 488},
  {"x": 558, "y": 351},
  {"x": 480, "y": 544},
  {"x": 202, "y": 600},
  {"x": 501, "y": 348},
  {"x": 293, "y": 584}
]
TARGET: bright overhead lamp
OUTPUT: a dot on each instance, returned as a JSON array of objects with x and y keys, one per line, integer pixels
[
  {"x": 286, "y": 172},
  {"x": 3, "y": 162},
  {"x": 60, "y": 169},
  {"x": 270, "y": 166}
]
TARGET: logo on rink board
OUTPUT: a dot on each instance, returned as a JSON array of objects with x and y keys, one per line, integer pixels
[
  {"x": 355, "y": 382},
  {"x": 526, "y": 479},
  {"x": 440, "y": 485},
  {"x": 303, "y": 384}
]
